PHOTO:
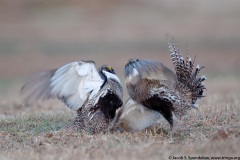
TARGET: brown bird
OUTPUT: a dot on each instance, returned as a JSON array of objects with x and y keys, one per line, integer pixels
[
  {"x": 155, "y": 91},
  {"x": 94, "y": 94}
]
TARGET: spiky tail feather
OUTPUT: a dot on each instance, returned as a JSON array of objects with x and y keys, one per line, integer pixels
[{"x": 186, "y": 75}]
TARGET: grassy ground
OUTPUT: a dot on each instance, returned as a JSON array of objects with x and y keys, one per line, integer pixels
[
  {"x": 38, "y": 35},
  {"x": 37, "y": 131}
]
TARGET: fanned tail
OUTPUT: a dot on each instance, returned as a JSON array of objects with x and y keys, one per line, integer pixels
[{"x": 186, "y": 74}]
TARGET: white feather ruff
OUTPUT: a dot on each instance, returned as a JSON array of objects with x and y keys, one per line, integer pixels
[{"x": 112, "y": 76}]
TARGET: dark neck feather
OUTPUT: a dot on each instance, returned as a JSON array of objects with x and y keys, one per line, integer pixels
[{"x": 104, "y": 77}]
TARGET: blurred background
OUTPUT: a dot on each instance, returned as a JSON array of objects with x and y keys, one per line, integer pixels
[{"x": 37, "y": 35}]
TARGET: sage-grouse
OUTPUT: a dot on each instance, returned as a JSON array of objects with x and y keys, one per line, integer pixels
[
  {"x": 157, "y": 91},
  {"x": 94, "y": 94}
]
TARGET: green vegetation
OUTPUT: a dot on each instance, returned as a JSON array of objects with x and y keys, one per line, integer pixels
[{"x": 35, "y": 124}]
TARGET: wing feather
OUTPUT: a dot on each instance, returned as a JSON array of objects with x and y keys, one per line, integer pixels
[
  {"x": 150, "y": 69},
  {"x": 38, "y": 86},
  {"x": 71, "y": 83}
]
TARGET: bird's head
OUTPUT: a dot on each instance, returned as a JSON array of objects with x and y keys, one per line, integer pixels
[
  {"x": 130, "y": 66},
  {"x": 107, "y": 72},
  {"x": 130, "y": 61},
  {"x": 107, "y": 68}
]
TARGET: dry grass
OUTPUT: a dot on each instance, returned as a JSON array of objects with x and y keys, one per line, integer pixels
[
  {"x": 37, "y": 35},
  {"x": 37, "y": 132}
]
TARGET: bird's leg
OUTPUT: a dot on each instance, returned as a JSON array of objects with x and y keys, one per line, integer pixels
[
  {"x": 173, "y": 124},
  {"x": 153, "y": 130},
  {"x": 110, "y": 129},
  {"x": 171, "y": 132}
]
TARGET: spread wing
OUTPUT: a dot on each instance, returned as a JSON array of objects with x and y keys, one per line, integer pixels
[
  {"x": 139, "y": 74},
  {"x": 149, "y": 69},
  {"x": 71, "y": 83}
]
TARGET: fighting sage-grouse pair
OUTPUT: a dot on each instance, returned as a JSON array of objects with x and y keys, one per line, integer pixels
[{"x": 97, "y": 96}]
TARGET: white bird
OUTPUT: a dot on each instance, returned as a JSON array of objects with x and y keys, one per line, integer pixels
[
  {"x": 155, "y": 89},
  {"x": 94, "y": 94}
]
